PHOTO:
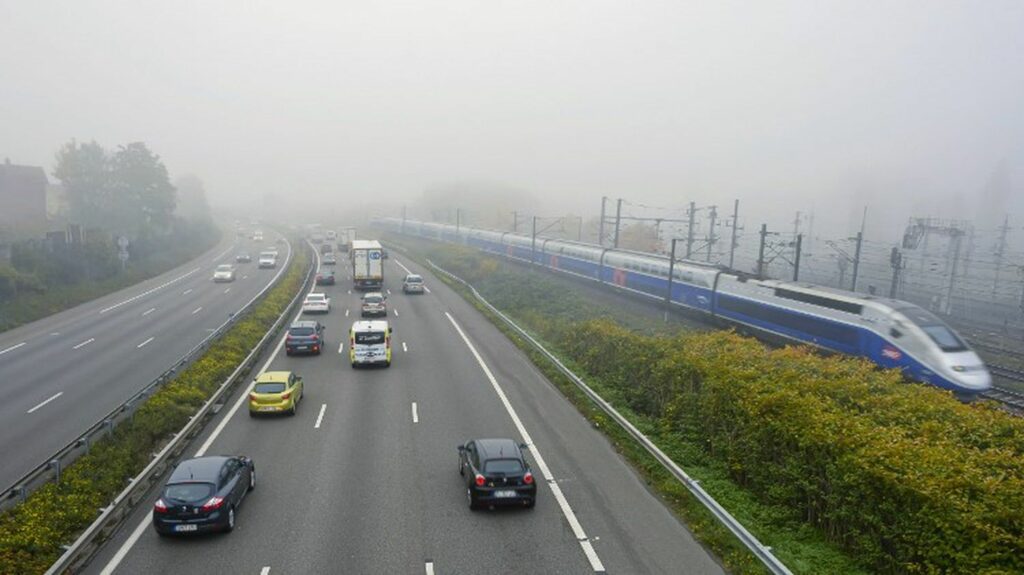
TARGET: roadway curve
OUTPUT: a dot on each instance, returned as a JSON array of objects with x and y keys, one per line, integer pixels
[
  {"x": 63, "y": 373},
  {"x": 355, "y": 484}
]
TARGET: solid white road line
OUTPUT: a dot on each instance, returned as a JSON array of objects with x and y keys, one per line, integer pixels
[
  {"x": 85, "y": 343},
  {"x": 429, "y": 567},
  {"x": 405, "y": 348},
  {"x": 186, "y": 292},
  {"x": 197, "y": 310},
  {"x": 407, "y": 270},
  {"x": 148, "y": 311},
  {"x": 44, "y": 402},
  {"x": 556, "y": 490},
  {"x": 144, "y": 343},
  {"x": 12, "y": 348},
  {"x": 320, "y": 417},
  {"x": 145, "y": 293},
  {"x": 141, "y": 527},
  {"x": 265, "y": 570},
  {"x": 415, "y": 413}
]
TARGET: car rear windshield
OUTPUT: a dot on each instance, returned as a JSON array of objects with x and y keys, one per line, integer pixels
[
  {"x": 370, "y": 337},
  {"x": 372, "y": 299},
  {"x": 268, "y": 255},
  {"x": 189, "y": 492},
  {"x": 503, "y": 466},
  {"x": 224, "y": 268},
  {"x": 269, "y": 387},
  {"x": 414, "y": 280},
  {"x": 301, "y": 331}
]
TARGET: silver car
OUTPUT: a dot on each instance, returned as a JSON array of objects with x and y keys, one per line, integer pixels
[{"x": 412, "y": 284}]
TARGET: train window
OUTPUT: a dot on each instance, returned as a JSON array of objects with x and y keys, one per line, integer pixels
[
  {"x": 818, "y": 300},
  {"x": 944, "y": 338}
]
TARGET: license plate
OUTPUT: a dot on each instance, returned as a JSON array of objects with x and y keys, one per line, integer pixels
[
  {"x": 302, "y": 347},
  {"x": 504, "y": 494},
  {"x": 268, "y": 409},
  {"x": 187, "y": 527}
]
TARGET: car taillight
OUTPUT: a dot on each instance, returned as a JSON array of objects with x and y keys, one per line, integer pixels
[
  {"x": 286, "y": 395},
  {"x": 528, "y": 478},
  {"x": 288, "y": 337},
  {"x": 213, "y": 503},
  {"x": 252, "y": 397},
  {"x": 316, "y": 338},
  {"x": 160, "y": 506},
  {"x": 479, "y": 480}
]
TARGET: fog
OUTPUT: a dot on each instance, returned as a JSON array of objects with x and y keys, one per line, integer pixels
[{"x": 911, "y": 108}]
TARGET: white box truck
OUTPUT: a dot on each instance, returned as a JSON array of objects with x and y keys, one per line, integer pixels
[{"x": 367, "y": 264}]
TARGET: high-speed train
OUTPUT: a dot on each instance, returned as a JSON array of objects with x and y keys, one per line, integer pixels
[{"x": 892, "y": 333}]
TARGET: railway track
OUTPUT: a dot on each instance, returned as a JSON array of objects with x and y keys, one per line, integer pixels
[{"x": 1008, "y": 397}]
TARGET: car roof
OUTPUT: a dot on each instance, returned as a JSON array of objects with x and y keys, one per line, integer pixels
[
  {"x": 370, "y": 325},
  {"x": 273, "y": 376},
  {"x": 198, "y": 469},
  {"x": 498, "y": 449}
]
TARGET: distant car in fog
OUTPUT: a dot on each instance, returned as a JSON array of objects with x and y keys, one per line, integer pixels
[
  {"x": 224, "y": 273},
  {"x": 374, "y": 303},
  {"x": 243, "y": 258},
  {"x": 268, "y": 259},
  {"x": 330, "y": 259},
  {"x": 412, "y": 283}
]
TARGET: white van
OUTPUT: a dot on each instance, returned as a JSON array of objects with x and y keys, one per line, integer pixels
[{"x": 369, "y": 342}]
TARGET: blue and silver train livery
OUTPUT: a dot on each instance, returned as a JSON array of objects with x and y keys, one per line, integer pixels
[{"x": 891, "y": 333}]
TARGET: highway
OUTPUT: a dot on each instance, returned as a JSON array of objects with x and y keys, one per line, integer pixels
[
  {"x": 65, "y": 372},
  {"x": 364, "y": 479}
]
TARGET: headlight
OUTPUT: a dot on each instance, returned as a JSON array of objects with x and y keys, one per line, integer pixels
[{"x": 959, "y": 368}]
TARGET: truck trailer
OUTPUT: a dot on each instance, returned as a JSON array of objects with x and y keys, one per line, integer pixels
[{"x": 367, "y": 264}]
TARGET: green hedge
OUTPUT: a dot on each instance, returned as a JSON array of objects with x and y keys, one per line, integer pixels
[
  {"x": 31, "y": 534},
  {"x": 902, "y": 476}
]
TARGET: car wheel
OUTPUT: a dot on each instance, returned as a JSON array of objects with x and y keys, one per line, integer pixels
[
  {"x": 252, "y": 479},
  {"x": 252, "y": 413},
  {"x": 531, "y": 503},
  {"x": 294, "y": 409},
  {"x": 387, "y": 363},
  {"x": 462, "y": 470},
  {"x": 162, "y": 533},
  {"x": 469, "y": 498},
  {"x": 230, "y": 526}
]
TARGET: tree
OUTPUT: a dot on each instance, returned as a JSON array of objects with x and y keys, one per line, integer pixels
[
  {"x": 84, "y": 171},
  {"x": 192, "y": 204},
  {"x": 141, "y": 188}
]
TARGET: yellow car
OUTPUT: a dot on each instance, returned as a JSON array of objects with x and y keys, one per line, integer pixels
[{"x": 275, "y": 392}]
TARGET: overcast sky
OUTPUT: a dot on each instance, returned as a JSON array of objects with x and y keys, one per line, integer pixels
[{"x": 906, "y": 106}]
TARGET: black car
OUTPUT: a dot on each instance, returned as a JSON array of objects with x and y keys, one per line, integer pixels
[
  {"x": 496, "y": 473},
  {"x": 304, "y": 336},
  {"x": 203, "y": 495},
  {"x": 325, "y": 279},
  {"x": 243, "y": 258}
]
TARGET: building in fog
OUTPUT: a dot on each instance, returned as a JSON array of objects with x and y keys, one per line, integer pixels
[{"x": 22, "y": 196}]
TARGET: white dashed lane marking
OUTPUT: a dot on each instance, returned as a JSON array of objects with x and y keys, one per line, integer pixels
[
  {"x": 144, "y": 343},
  {"x": 12, "y": 348},
  {"x": 85, "y": 343},
  {"x": 44, "y": 402}
]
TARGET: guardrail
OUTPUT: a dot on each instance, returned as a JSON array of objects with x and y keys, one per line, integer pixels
[
  {"x": 762, "y": 552},
  {"x": 90, "y": 541}
]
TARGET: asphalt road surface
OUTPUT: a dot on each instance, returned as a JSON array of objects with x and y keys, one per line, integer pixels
[
  {"x": 65, "y": 372},
  {"x": 365, "y": 480}
]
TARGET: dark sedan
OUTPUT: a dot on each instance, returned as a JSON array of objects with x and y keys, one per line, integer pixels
[
  {"x": 304, "y": 336},
  {"x": 496, "y": 473},
  {"x": 203, "y": 495},
  {"x": 325, "y": 279}
]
